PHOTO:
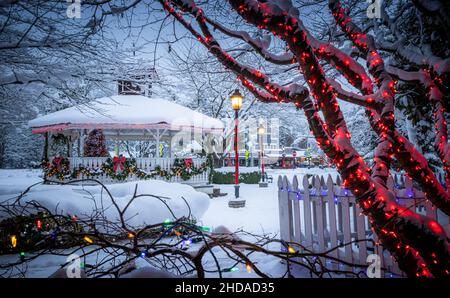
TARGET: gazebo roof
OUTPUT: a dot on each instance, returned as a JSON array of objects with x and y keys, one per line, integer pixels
[{"x": 126, "y": 112}]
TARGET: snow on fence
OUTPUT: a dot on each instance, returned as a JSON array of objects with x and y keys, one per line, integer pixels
[
  {"x": 321, "y": 215},
  {"x": 145, "y": 164}
]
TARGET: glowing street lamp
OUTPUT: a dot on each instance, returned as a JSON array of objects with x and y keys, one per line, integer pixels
[
  {"x": 236, "y": 103},
  {"x": 261, "y": 132}
]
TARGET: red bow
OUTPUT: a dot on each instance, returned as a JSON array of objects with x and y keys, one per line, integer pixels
[
  {"x": 119, "y": 162},
  {"x": 57, "y": 161},
  {"x": 188, "y": 162}
]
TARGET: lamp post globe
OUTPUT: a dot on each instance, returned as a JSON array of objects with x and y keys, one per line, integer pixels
[
  {"x": 236, "y": 100},
  {"x": 261, "y": 130}
]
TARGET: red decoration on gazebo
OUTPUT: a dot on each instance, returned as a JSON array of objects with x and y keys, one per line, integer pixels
[
  {"x": 57, "y": 162},
  {"x": 188, "y": 162},
  {"x": 119, "y": 162}
]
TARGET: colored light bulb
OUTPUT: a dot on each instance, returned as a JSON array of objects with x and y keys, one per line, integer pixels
[
  {"x": 14, "y": 241},
  {"x": 39, "y": 224},
  {"x": 249, "y": 268}
]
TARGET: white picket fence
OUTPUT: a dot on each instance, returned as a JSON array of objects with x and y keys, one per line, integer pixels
[
  {"x": 145, "y": 164},
  {"x": 321, "y": 215}
]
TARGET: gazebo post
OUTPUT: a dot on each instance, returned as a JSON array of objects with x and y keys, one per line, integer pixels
[
  {"x": 203, "y": 142},
  {"x": 155, "y": 134},
  {"x": 81, "y": 142},
  {"x": 45, "y": 153},
  {"x": 170, "y": 144},
  {"x": 117, "y": 143},
  {"x": 158, "y": 142},
  {"x": 192, "y": 139},
  {"x": 69, "y": 146}
]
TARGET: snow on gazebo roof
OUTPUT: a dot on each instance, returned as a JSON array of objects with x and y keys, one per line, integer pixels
[{"x": 126, "y": 112}]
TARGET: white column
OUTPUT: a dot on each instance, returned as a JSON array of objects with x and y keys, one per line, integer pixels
[
  {"x": 170, "y": 144},
  {"x": 79, "y": 143},
  {"x": 82, "y": 138},
  {"x": 157, "y": 143}
]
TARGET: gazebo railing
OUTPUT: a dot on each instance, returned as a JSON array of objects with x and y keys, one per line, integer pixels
[{"x": 146, "y": 164}]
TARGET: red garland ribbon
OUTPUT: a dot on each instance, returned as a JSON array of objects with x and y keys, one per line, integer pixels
[
  {"x": 188, "y": 162},
  {"x": 57, "y": 161},
  {"x": 119, "y": 162}
]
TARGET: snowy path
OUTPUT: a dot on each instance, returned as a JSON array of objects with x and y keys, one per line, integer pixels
[{"x": 260, "y": 214}]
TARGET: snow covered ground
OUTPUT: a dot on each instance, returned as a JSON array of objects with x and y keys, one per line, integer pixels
[
  {"x": 259, "y": 216},
  {"x": 82, "y": 200}
]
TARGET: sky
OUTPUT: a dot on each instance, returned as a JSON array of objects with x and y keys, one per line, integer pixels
[
  {"x": 143, "y": 33},
  {"x": 141, "y": 28}
]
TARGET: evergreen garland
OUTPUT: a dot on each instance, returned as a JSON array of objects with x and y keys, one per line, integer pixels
[{"x": 182, "y": 168}]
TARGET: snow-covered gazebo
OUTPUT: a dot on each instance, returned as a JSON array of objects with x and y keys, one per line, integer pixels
[{"x": 170, "y": 127}]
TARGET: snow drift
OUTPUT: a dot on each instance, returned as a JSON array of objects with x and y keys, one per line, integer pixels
[{"x": 82, "y": 200}]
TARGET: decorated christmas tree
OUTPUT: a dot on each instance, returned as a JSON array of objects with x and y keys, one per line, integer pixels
[{"x": 95, "y": 145}]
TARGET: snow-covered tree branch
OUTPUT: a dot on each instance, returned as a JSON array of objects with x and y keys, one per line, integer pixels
[{"x": 391, "y": 222}]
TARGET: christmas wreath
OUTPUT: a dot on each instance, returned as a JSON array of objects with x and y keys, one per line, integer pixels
[
  {"x": 58, "y": 167},
  {"x": 185, "y": 168},
  {"x": 119, "y": 167}
]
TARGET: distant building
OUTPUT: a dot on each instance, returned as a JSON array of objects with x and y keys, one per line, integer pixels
[
  {"x": 275, "y": 155},
  {"x": 249, "y": 142},
  {"x": 137, "y": 81}
]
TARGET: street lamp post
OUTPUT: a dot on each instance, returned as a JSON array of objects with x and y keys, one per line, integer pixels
[
  {"x": 236, "y": 103},
  {"x": 236, "y": 154},
  {"x": 261, "y": 132}
]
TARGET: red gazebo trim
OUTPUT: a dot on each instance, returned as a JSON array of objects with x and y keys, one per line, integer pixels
[{"x": 67, "y": 126}]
